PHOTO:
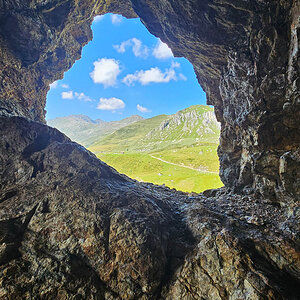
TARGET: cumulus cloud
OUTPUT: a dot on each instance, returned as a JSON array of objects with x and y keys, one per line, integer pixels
[
  {"x": 83, "y": 97},
  {"x": 138, "y": 49},
  {"x": 110, "y": 104},
  {"x": 116, "y": 19},
  {"x": 162, "y": 51},
  {"x": 148, "y": 76},
  {"x": 106, "y": 71},
  {"x": 98, "y": 18},
  {"x": 54, "y": 85},
  {"x": 142, "y": 109},
  {"x": 67, "y": 95},
  {"x": 153, "y": 75}
]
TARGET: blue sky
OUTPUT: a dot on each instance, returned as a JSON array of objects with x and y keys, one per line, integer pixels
[{"x": 124, "y": 71}]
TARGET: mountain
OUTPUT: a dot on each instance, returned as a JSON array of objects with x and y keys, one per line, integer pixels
[
  {"x": 195, "y": 124},
  {"x": 85, "y": 131},
  {"x": 178, "y": 150}
]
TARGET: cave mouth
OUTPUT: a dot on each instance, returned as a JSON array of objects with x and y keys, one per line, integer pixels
[{"x": 127, "y": 79}]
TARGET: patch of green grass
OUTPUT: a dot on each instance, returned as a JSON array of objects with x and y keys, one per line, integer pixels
[
  {"x": 195, "y": 156},
  {"x": 143, "y": 167}
]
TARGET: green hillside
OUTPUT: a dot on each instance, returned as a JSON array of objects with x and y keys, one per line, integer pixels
[
  {"x": 179, "y": 151},
  {"x": 194, "y": 125},
  {"x": 129, "y": 138},
  {"x": 142, "y": 167}
]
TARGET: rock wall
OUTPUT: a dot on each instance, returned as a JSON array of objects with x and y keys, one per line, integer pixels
[
  {"x": 245, "y": 55},
  {"x": 71, "y": 226},
  {"x": 40, "y": 40}
]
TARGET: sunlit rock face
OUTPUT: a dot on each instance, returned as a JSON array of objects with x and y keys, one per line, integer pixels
[{"x": 72, "y": 226}]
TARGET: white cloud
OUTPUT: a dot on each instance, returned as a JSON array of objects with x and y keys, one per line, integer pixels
[
  {"x": 116, "y": 19},
  {"x": 175, "y": 64},
  {"x": 98, "y": 18},
  {"x": 122, "y": 47},
  {"x": 143, "y": 109},
  {"x": 153, "y": 75},
  {"x": 138, "y": 48},
  {"x": 83, "y": 97},
  {"x": 182, "y": 77},
  {"x": 162, "y": 51},
  {"x": 106, "y": 71},
  {"x": 67, "y": 95},
  {"x": 54, "y": 85},
  {"x": 110, "y": 104}
]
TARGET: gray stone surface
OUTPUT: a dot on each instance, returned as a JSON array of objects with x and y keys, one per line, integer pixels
[
  {"x": 73, "y": 227},
  {"x": 245, "y": 55}
]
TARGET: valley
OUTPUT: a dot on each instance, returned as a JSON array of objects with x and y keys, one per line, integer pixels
[{"x": 179, "y": 151}]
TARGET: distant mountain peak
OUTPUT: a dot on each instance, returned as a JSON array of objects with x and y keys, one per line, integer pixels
[
  {"x": 135, "y": 117},
  {"x": 195, "y": 124},
  {"x": 83, "y": 130}
]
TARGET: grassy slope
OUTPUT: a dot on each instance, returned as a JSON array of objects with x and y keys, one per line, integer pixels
[
  {"x": 143, "y": 167},
  {"x": 129, "y": 150},
  {"x": 127, "y": 138},
  {"x": 203, "y": 156}
]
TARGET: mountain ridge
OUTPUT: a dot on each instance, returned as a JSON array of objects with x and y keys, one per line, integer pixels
[
  {"x": 83, "y": 130},
  {"x": 194, "y": 124},
  {"x": 178, "y": 150}
]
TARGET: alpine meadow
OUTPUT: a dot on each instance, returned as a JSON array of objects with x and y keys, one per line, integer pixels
[{"x": 179, "y": 150}]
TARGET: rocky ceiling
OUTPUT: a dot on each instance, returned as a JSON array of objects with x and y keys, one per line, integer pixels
[{"x": 64, "y": 211}]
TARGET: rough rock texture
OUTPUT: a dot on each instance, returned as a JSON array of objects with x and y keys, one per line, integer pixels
[
  {"x": 40, "y": 40},
  {"x": 246, "y": 57},
  {"x": 245, "y": 54},
  {"x": 72, "y": 226}
]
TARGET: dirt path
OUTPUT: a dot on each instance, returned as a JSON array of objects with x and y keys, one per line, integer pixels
[{"x": 170, "y": 163}]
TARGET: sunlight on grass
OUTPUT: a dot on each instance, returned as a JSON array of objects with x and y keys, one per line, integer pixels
[{"x": 143, "y": 167}]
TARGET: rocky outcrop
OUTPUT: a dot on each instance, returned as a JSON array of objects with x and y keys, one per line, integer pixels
[
  {"x": 197, "y": 123},
  {"x": 72, "y": 226}
]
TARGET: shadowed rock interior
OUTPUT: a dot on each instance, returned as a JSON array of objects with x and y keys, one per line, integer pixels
[{"x": 71, "y": 226}]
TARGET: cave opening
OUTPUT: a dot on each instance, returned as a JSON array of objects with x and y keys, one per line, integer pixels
[
  {"x": 138, "y": 108},
  {"x": 71, "y": 227}
]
